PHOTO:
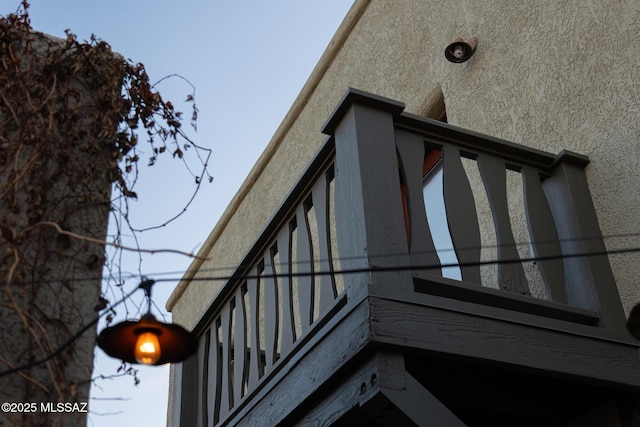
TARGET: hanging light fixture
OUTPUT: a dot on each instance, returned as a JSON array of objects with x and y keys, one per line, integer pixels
[{"x": 148, "y": 341}]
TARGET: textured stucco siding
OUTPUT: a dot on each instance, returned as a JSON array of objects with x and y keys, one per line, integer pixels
[{"x": 550, "y": 75}]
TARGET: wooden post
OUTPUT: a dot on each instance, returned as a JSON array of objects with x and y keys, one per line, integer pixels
[
  {"x": 590, "y": 281},
  {"x": 368, "y": 198}
]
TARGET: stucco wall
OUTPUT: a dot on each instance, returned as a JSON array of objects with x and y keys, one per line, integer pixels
[{"x": 550, "y": 75}]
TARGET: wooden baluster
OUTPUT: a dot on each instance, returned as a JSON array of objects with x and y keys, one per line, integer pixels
[
  {"x": 206, "y": 386},
  {"x": 215, "y": 374},
  {"x": 511, "y": 274},
  {"x": 328, "y": 292},
  {"x": 544, "y": 235},
  {"x": 461, "y": 214},
  {"x": 203, "y": 364},
  {"x": 284, "y": 279},
  {"x": 271, "y": 312},
  {"x": 239, "y": 346},
  {"x": 304, "y": 259},
  {"x": 422, "y": 249},
  {"x": 226, "y": 395},
  {"x": 255, "y": 362}
]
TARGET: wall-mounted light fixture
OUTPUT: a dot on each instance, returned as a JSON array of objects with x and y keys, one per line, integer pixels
[
  {"x": 148, "y": 341},
  {"x": 461, "y": 50}
]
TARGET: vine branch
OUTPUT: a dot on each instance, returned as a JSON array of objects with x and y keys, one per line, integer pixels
[
  {"x": 72, "y": 115},
  {"x": 88, "y": 239}
]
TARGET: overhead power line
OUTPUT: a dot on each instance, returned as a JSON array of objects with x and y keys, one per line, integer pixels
[
  {"x": 69, "y": 342},
  {"x": 313, "y": 273},
  {"x": 223, "y": 277},
  {"x": 407, "y": 267}
]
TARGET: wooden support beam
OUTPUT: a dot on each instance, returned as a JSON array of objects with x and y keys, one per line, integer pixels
[
  {"x": 409, "y": 396},
  {"x": 560, "y": 353},
  {"x": 379, "y": 389}
]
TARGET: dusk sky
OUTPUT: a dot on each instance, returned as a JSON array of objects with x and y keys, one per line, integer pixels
[{"x": 248, "y": 61}]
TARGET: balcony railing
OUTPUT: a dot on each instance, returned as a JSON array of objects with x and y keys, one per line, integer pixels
[
  {"x": 284, "y": 292},
  {"x": 563, "y": 265},
  {"x": 357, "y": 225}
]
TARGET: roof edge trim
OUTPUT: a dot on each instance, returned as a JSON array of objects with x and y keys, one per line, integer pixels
[{"x": 335, "y": 45}]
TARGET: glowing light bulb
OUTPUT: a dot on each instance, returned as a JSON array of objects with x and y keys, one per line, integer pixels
[{"x": 147, "y": 349}]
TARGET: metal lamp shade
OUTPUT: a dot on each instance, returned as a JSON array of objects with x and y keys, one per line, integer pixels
[{"x": 176, "y": 343}]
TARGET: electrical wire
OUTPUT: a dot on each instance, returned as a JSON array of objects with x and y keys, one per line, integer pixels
[
  {"x": 390, "y": 256},
  {"x": 224, "y": 277},
  {"x": 378, "y": 269},
  {"x": 318, "y": 273},
  {"x": 69, "y": 342}
]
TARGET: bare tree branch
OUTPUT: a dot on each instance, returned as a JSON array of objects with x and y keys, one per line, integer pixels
[{"x": 102, "y": 242}]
